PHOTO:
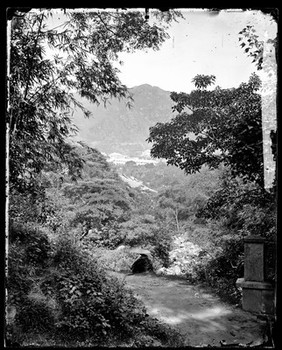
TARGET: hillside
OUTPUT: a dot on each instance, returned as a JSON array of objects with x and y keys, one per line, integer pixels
[
  {"x": 118, "y": 129},
  {"x": 134, "y": 183}
]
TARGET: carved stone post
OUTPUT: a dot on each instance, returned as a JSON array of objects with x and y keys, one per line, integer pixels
[{"x": 258, "y": 295}]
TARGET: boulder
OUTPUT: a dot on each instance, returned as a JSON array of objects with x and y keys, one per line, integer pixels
[
  {"x": 120, "y": 247},
  {"x": 175, "y": 270},
  {"x": 161, "y": 271}
]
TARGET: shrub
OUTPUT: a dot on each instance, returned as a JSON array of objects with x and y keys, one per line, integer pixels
[
  {"x": 92, "y": 304},
  {"x": 34, "y": 241},
  {"x": 222, "y": 271},
  {"x": 27, "y": 205},
  {"x": 162, "y": 245},
  {"x": 238, "y": 208},
  {"x": 71, "y": 297},
  {"x": 109, "y": 236},
  {"x": 18, "y": 282},
  {"x": 116, "y": 260},
  {"x": 35, "y": 316},
  {"x": 29, "y": 254},
  {"x": 217, "y": 261},
  {"x": 142, "y": 231}
]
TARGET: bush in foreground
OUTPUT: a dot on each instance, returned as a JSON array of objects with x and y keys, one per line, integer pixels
[{"x": 72, "y": 301}]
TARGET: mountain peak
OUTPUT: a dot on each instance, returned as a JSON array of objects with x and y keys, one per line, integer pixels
[
  {"x": 117, "y": 129},
  {"x": 142, "y": 86},
  {"x": 145, "y": 87}
]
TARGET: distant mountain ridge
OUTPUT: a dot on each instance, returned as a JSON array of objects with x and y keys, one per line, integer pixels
[{"x": 118, "y": 129}]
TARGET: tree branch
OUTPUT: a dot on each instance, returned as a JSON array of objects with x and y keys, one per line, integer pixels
[
  {"x": 31, "y": 66},
  {"x": 105, "y": 24}
]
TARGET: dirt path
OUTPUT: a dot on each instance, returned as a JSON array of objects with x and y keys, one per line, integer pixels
[{"x": 200, "y": 316}]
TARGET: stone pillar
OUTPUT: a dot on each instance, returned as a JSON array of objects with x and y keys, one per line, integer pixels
[
  {"x": 254, "y": 259},
  {"x": 258, "y": 295}
]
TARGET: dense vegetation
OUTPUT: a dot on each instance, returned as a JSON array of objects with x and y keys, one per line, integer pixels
[
  {"x": 56, "y": 262},
  {"x": 209, "y": 213},
  {"x": 215, "y": 128},
  {"x": 54, "y": 59},
  {"x": 71, "y": 217},
  {"x": 58, "y": 293}
]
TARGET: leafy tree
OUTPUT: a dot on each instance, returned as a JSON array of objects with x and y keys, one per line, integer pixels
[
  {"x": 175, "y": 203},
  {"x": 139, "y": 230},
  {"x": 145, "y": 231},
  {"x": 95, "y": 164},
  {"x": 49, "y": 65},
  {"x": 254, "y": 47},
  {"x": 221, "y": 126},
  {"x": 98, "y": 202},
  {"x": 243, "y": 207},
  {"x": 235, "y": 210},
  {"x": 196, "y": 187}
]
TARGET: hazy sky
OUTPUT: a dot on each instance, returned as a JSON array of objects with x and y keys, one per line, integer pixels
[{"x": 201, "y": 43}]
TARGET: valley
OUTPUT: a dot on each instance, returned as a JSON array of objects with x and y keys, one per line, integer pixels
[{"x": 118, "y": 129}]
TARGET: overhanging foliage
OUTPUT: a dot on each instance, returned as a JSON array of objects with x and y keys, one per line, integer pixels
[{"x": 213, "y": 127}]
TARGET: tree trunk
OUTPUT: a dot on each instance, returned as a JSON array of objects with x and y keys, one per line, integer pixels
[{"x": 176, "y": 220}]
